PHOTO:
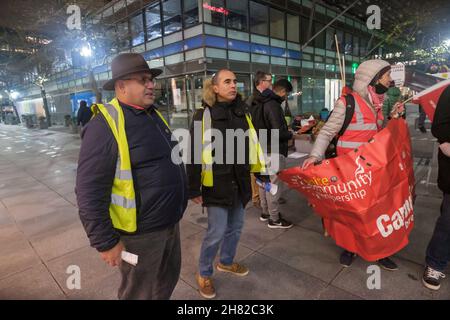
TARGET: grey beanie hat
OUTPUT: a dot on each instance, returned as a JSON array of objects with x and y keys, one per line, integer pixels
[{"x": 366, "y": 72}]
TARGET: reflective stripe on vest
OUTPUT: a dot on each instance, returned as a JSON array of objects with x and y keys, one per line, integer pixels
[
  {"x": 122, "y": 209},
  {"x": 361, "y": 129},
  {"x": 207, "y": 161},
  {"x": 257, "y": 163},
  {"x": 349, "y": 144}
]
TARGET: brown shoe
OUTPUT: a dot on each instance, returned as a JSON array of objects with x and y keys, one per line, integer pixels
[
  {"x": 205, "y": 287},
  {"x": 235, "y": 268}
]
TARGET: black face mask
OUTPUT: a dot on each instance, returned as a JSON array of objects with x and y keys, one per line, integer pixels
[{"x": 380, "y": 89}]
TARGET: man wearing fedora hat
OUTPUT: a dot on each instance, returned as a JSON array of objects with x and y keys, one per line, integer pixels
[{"x": 130, "y": 193}]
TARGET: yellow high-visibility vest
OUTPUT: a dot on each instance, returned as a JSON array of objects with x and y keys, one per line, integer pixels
[
  {"x": 122, "y": 208},
  {"x": 257, "y": 163}
]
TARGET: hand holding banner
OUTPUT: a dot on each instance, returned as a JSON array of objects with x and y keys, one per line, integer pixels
[{"x": 366, "y": 195}]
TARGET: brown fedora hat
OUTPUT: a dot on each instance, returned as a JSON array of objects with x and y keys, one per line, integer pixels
[{"x": 128, "y": 63}]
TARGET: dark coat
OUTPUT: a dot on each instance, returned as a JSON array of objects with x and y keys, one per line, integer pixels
[
  {"x": 267, "y": 114},
  {"x": 441, "y": 130},
  {"x": 160, "y": 185},
  {"x": 84, "y": 115},
  {"x": 227, "y": 177}
]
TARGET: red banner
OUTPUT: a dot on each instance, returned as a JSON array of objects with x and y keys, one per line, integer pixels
[
  {"x": 429, "y": 98},
  {"x": 366, "y": 195}
]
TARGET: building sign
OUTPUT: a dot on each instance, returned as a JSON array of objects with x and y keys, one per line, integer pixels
[{"x": 216, "y": 9}]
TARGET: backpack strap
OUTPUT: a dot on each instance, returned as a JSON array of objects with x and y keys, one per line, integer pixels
[
  {"x": 349, "y": 111},
  {"x": 331, "y": 151}
]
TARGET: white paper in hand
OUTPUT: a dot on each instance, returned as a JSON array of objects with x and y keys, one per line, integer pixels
[
  {"x": 297, "y": 155},
  {"x": 273, "y": 189},
  {"x": 445, "y": 148},
  {"x": 130, "y": 258}
]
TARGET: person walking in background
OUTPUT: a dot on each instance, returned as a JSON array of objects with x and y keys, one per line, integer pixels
[
  {"x": 262, "y": 85},
  {"x": 267, "y": 114},
  {"x": 84, "y": 114},
  {"x": 421, "y": 120}
]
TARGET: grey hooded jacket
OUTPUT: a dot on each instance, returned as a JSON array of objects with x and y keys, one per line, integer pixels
[{"x": 363, "y": 76}]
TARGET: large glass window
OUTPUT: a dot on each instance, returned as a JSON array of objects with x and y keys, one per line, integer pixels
[
  {"x": 137, "y": 30},
  {"x": 340, "y": 37},
  {"x": 307, "y": 95},
  {"x": 276, "y": 24},
  {"x": 191, "y": 12},
  {"x": 294, "y": 102},
  {"x": 238, "y": 15},
  {"x": 153, "y": 21},
  {"x": 356, "y": 46},
  {"x": 293, "y": 28},
  {"x": 259, "y": 15},
  {"x": 123, "y": 36},
  {"x": 329, "y": 41},
  {"x": 363, "y": 47},
  {"x": 319, "y": 41},
  {"x": 319, "y": 95},
  {"x": 171, "y": 16},
  {"x": 243, "y": 84},
  {"x": 214, "y": 12},
  {"x": 304, "y": 30},
  {"x": 348, "y": 48}
]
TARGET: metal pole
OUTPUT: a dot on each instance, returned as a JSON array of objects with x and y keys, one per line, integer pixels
[
  {"x": 330, "y": 23},
  {"x": 338, "y": 56}
]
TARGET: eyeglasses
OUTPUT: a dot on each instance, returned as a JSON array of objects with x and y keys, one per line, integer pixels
[{"x": 142, "y": 80}]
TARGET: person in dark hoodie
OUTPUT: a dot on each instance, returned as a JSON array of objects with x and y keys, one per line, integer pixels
[
  {"x": 262, "y": 82},
  {"x": 223, "y": 187},
  {"x": 267, "y": 114},
  {"x": 84, "y": 114},
  {"x": 438, "y": 251}
]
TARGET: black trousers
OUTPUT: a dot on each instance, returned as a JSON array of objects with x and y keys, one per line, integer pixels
[
  {"x": 438, "y": 250},
  {"x": 158, "y": 269}
]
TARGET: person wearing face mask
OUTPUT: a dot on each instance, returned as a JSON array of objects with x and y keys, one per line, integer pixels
[{"x": 372, "y": 81}]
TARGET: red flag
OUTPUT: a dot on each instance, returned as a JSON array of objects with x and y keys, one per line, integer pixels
[
  {"x": 365, "y": 196},
  {"x": 429, "y": 98}
]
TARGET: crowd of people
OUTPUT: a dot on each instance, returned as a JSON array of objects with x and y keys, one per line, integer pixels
[{"x": 131, "y": 195}]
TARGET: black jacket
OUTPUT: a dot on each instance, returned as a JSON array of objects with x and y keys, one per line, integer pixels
[
  {"x": 160, "y": 185},
  {"x": 267, "y": 114},
  {"x": 84, "y": 115},
  {"x": 441, "y": 130},
  {"x": 227, "y": 177}
]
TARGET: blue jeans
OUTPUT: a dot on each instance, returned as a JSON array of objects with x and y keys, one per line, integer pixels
[
  {"x": 438, "y": 251},
  {"x": 224, "y": 226}
]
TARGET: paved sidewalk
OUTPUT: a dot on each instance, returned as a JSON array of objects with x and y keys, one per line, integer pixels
[{"x": 41, "y": 236}]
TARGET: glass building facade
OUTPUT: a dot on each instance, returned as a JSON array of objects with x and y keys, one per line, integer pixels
[{"x": 191, "y": 39}]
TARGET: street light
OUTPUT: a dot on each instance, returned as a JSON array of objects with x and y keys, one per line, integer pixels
[
  {"x": 14, "y": 95},
  {"x": 86, "y": 50}
]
